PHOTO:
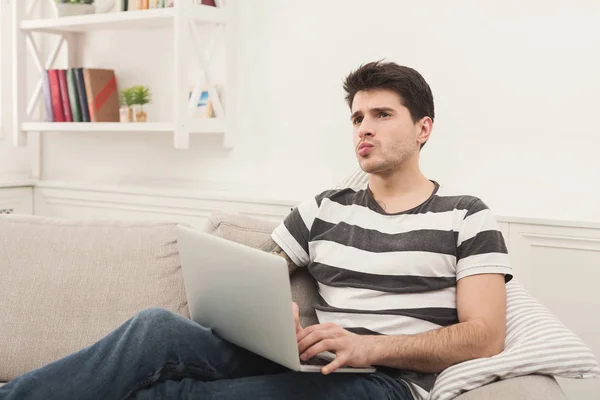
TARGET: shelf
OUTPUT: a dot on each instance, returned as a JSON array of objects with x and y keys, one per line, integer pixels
[
  {"x": 162, "y": 17},
  {"x": 209, "y": 125},
  {"x": 182, "y": 18}
]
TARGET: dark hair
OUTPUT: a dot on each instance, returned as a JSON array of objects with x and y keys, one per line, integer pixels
[{"x": 415, "y": 94}]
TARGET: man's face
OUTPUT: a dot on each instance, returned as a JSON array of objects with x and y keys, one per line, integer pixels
[{"x": 385, "y": 135}]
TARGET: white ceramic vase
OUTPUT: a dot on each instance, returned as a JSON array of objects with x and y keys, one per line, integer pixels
[{"x": 69, "y": 9}]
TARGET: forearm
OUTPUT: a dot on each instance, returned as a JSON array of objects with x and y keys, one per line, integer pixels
[
  {"x": 271, "y": 247},
  {"x": 436, "y": 350}
]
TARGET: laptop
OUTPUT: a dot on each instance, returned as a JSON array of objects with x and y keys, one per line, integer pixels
[{"x": 244, "y": 295}]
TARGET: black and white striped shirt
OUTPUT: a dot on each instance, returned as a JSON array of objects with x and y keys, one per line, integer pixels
[{"x": 391, "y": 274}]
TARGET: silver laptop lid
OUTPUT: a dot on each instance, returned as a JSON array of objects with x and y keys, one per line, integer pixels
[{"x": 242, "y": 293}]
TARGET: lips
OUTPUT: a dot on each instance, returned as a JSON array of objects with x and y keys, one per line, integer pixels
[{"x": 364, "y": 149}]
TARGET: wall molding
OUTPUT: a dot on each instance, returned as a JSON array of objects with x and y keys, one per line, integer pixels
[
  {"x": 17, "y": 199},
  {"x": 194, "y": 202},
  {"x": 188, "y": 206},
  {"x": 562, "y": 241}
]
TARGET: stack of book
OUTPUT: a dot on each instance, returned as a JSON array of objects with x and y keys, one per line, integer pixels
[
  {"x": 135, "y": 5},
  {"x": 81, "y": 95}
]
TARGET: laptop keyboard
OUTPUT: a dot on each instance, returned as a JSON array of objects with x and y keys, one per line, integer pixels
[{"x": 317, "y": 361}]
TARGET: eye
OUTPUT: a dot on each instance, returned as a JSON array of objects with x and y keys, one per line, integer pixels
[
  {"x": 357, "y": 120},
  {"x": 383, "y": 114}
]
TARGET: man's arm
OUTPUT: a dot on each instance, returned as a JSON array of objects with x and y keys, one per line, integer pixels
[
  {"x": 271, "y": 247},
  {"x": 481, "y": 306}
]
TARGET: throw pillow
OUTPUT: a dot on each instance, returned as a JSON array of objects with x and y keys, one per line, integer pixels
[{"x": 536, "y": 343}]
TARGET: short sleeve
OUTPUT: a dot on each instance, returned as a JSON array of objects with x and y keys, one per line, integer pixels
[
  {"x": 292, "y": 235},
  {"x": 481, "y": 246}
]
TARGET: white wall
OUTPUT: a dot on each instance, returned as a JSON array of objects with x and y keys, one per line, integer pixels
[
  {"x": 14, "y": 163},
  {"x": 515, "y": 85}
]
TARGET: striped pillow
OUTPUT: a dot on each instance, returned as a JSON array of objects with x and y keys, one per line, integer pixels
[
  {"x": 357, "y": 180},
  {"x": 536, "y": 343}
]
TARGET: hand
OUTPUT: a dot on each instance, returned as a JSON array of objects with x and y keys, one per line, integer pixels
[
  {"x": 296, "y": 312},
  {"x": 350, "y": 349}
]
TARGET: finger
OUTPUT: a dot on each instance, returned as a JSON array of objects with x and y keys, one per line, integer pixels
[
  {"x": 323, "y": 345},
  {"x": 310, "y": 329},
  {"x": 313, "y": 338},
  {"x": 337, "y": 362},
  {"x": 315, "y": 333}
]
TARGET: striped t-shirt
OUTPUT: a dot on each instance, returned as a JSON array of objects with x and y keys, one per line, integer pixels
[{"x": 392, "y": 274}]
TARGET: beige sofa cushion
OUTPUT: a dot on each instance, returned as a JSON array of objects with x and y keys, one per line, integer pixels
[
  {"x": 255, "y": 232},
  {"x": 66, "y": 284},
  {"x": 530, "y": 387}
]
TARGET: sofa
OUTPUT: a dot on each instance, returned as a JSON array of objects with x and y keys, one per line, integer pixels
[{"x": 67, "y": 283}]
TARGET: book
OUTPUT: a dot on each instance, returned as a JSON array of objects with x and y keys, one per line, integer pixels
[
  {"x": 73, "y": 99},
  {"x": 200, "y": 104},
  {"x": 145, "y": 4},
  {"x": 47, "y": 96},
  {"x": 197, "y": 90},
  {"x": 102, "y": 94},
  {"x": 64, "y": 95},
  {"x": 81, "y": 95},
  {"x": 59, "y": 114},
  {"x": 134, "y": 5},
  {"x": 205, "y": 108},
  {"x": 215, "y": 101},
  {"x": 123, "y": 5}
]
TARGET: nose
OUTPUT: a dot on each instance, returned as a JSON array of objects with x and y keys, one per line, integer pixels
[{"x": 365, "y": 129}]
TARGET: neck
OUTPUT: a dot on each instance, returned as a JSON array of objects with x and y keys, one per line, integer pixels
[
  {"x": 400, "y": 189},
  {"x": 398, "y": 183}
]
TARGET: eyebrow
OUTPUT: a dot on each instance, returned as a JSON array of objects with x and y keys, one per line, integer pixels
[{"x": 388, "y": 110}]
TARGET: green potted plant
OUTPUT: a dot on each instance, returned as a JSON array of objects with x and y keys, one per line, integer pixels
[
  {"x": 126, "y": 101},
  {"x": 141, "y": 97},
  {"x": 75, "y": 7}
]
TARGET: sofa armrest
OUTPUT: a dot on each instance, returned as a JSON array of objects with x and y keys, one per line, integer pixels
[
  {"x": 241, "y": 229},
  {"x": 530, "y": 387}
]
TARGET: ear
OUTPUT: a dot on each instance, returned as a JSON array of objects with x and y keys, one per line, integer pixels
[{"x": 424, "y": 128}]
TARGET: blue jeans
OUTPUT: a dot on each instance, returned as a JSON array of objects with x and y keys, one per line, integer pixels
[{"x": 160, "y": 355}]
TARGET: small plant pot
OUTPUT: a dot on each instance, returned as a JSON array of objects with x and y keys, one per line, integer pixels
[
  {"x": 125, "y": 114},
  {"x": 70, "y": 9},
  {"x": 139, "y": 115}
]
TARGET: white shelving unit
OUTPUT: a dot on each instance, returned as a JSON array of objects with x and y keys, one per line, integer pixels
[{"x": 183, "y": 19}]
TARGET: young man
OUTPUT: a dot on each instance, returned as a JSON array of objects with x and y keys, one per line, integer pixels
[{"x": 410, "y": 279}]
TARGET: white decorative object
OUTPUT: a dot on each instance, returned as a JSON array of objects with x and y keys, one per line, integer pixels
[
  {"x": 103, "y": 6},
  {"x": 125, "y": 114},
  {"x": 71, "y": 9}
]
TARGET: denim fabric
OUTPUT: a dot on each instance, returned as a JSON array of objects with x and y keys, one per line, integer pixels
[{"x": 160, "y": 355}]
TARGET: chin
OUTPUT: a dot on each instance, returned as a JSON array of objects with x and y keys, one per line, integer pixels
[
  {"x": 375, "y": 167},
  {"x": 369, "y": 166}
]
